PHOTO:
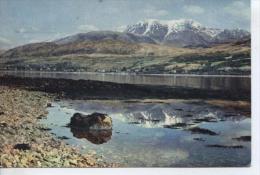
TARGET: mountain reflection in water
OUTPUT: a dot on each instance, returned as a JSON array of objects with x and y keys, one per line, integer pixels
[
  {"x": 159, "y": 134},
  {"x": 94, "y": 136},
  {"x": 154, "y": 115}
]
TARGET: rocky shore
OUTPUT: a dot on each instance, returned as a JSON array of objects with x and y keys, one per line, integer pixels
[
  {"x": 26, "y": 143},
  {"x": 90, "y": 89}
]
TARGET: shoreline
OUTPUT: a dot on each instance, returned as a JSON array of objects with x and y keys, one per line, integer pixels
[
  {"x": 27, "y": 143},
  {"x": 92, "y": 89},
  {"x": 130, "y": 73}
]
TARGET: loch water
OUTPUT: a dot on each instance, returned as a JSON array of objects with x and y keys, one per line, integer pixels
[{"x": 140, "y": 137}]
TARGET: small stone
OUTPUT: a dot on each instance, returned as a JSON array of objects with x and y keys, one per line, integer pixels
[
  {"x": 22, "y": 146},
  {"x": 73, "y": 162},
  {"x": 66, "y": 163},
  {"x": 49, "y": 105},
  {"x": 243, "y": 138},
  {"x": 39, "y": 164},
  {"x": 3, "y": 124},
  {"x": 63, "y": 138}
]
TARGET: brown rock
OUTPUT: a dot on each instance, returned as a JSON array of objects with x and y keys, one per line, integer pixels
[{"x": 95, "y": 121}]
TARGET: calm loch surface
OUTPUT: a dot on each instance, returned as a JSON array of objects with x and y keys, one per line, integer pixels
[{"x": 140, "y": 137}]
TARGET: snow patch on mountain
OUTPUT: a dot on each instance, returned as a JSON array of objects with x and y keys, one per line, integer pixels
[{"x": 184, "y": 32}]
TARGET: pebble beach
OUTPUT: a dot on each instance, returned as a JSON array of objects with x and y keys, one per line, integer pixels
[{"x": 24, "y": 142}]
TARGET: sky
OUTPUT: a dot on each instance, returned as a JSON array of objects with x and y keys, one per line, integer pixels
[{"x": 27, "y": 21}]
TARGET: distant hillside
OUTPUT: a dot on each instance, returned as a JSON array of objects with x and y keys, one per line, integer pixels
[
  {"x": 46, "y": 49},
  {"x": 105, "y": 35},
  {"x": 107, "y": 55},
  {"x": 2, "y": 51}
]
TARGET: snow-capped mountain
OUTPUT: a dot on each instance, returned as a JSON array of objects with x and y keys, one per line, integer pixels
[{"x": 185, "y": 32}]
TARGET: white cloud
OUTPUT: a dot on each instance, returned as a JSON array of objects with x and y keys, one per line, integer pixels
[
  {"x": 193, "y": 9},
  {"x": 121, "y": 28},
  {"x": 58, "y": 35},
  {"x": 52, "y": 37},
  {"x": 239, "y": 9},
  {"x": 87, "y": 28},
  {"x": 5, "y": 40},
  {"x": 5, "y": 43},
  {"x": 27, "y": 30},
  {"x": 34, "y": 41},
  {"x": 151, "y": 11}
]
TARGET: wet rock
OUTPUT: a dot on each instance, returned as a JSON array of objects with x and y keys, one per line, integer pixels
[
  {"x": 135, "y": 123},
  {"x": 41, "y": 117},
  {"x": 188, "y": 115},
  {"x": 199, "y": 139},
  {"x": 63, "y": 138},
  {"x": 243, "y": 138},
  {"x": 94, "y": 136},
  {"x": 49, "y": 105},
  {"x": 176, "y": 126},
  {"x": 206, "y": 119},
  {"x": 45, "y": 129},
  {"x": 96, "y": 121},
  {"x": 28, "y": 128},
  {"x": 153, "y": 120},
  {"x": 225, "y": 146},
  {"x": 230, "y": 114},
  {"x": 197, "y": 130},
  {"x": 57, "y": 100},
  {"x": 22, "y": 146},
  {"x": 179, "y": 109}
]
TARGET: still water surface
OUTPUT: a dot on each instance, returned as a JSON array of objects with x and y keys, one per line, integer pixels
[{"x": 139, "y": 138}]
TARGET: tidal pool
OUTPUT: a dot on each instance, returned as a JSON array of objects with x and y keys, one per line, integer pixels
[{"x": 159, "y": 133}]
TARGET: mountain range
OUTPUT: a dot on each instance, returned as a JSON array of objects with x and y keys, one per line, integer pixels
[
  {"x": 179, "y": 33},
  {"x": 185, "y": 32}
]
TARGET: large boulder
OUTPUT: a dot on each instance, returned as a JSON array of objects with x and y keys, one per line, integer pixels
[{"x": 95, "y": 121}]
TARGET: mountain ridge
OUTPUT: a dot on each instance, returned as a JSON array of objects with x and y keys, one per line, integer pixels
[
  {"x": 185, "y": 32},
  {"x": 105, "y": 35},
  {"x": 177, "y": 33}
]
